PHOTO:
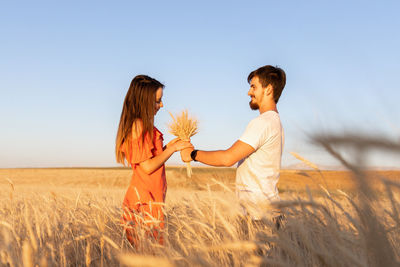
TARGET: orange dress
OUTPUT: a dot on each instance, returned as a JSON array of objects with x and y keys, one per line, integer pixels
[{"x": 145, "y": 196}]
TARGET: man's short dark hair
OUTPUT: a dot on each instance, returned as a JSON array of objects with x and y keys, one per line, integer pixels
[{"x": 270, "y": 75}]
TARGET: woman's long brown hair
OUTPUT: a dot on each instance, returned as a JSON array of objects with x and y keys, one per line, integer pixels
[{"x": 139, "y": 104}]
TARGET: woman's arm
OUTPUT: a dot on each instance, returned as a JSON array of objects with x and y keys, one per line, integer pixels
[{"x": 150, "y": 165}]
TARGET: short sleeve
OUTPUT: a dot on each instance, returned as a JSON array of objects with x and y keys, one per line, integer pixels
[
  {"x": 138, "y": 149},
  {"x": 253, "y": 135},
  {"x": 141, "y": 150}
]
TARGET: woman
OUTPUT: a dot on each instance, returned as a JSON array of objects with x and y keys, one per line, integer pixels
[{"x": 140, "y": 144}]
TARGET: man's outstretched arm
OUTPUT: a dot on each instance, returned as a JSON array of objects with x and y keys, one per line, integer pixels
[{"x": 221, "y": 158}]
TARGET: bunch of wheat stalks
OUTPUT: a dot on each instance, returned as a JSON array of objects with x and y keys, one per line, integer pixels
[{"x": 183, "y": 126}]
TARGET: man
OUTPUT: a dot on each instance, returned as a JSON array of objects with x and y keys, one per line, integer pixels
[{"x": 258, "y": 151}]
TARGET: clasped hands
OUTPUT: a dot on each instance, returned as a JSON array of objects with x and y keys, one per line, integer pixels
[{"x": 185, "y": 147}]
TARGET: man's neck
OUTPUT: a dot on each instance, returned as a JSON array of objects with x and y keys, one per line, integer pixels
[{"x": 271, "y": 106}]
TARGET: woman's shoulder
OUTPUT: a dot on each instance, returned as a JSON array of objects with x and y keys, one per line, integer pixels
[{"x": 137, "y": 129}]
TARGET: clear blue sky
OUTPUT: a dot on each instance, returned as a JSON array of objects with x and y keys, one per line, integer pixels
[{"x": 65, "y": 69}]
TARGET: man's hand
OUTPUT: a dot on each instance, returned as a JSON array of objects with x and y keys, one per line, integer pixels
[{"x": 185, "y": 154}]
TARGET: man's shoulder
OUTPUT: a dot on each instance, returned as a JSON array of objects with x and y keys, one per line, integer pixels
[
  {"x": 270, "y": 115},
  {"x": 266, "y": 119}
]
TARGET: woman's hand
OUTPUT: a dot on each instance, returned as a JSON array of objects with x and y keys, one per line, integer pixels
[
  {"x": 150, "y": 165},
  {"x": 181, "y": 145},
  {"x": 178, "y": 144},
  {"x": 171, "y": 143}
]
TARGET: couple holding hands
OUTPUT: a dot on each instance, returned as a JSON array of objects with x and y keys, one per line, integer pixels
[{"x": 139, "y": 143}]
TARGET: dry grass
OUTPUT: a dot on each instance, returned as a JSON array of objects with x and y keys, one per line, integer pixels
[
  {"x": 291, "y": 181},
  {"x": 72, "y": 223}
]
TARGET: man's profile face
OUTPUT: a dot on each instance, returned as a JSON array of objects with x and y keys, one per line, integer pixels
[{"x": 256, "y": 93}]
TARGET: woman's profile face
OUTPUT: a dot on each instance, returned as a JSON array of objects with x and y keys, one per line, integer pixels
[{"x": 159, "y": 103}]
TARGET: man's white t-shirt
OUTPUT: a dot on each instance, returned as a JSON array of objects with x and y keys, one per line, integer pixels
[{"x": 258, "y": 174}]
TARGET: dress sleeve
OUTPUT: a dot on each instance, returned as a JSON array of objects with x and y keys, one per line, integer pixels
[{"x": 141, "y": 150}]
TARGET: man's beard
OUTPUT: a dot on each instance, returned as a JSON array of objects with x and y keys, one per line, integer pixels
[{"x": 253, "y": 106}]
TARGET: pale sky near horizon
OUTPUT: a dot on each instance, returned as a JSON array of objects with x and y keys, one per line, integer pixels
[{"x": 66, "y": 66}]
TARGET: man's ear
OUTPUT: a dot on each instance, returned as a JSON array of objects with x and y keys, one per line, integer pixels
[{"x": 269, "y": 90}]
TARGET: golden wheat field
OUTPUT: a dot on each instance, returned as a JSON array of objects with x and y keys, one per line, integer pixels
[{"x": 71, "y": 217}]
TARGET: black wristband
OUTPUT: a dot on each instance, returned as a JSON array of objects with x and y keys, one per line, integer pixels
[{"x": 193, "y": 154}]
